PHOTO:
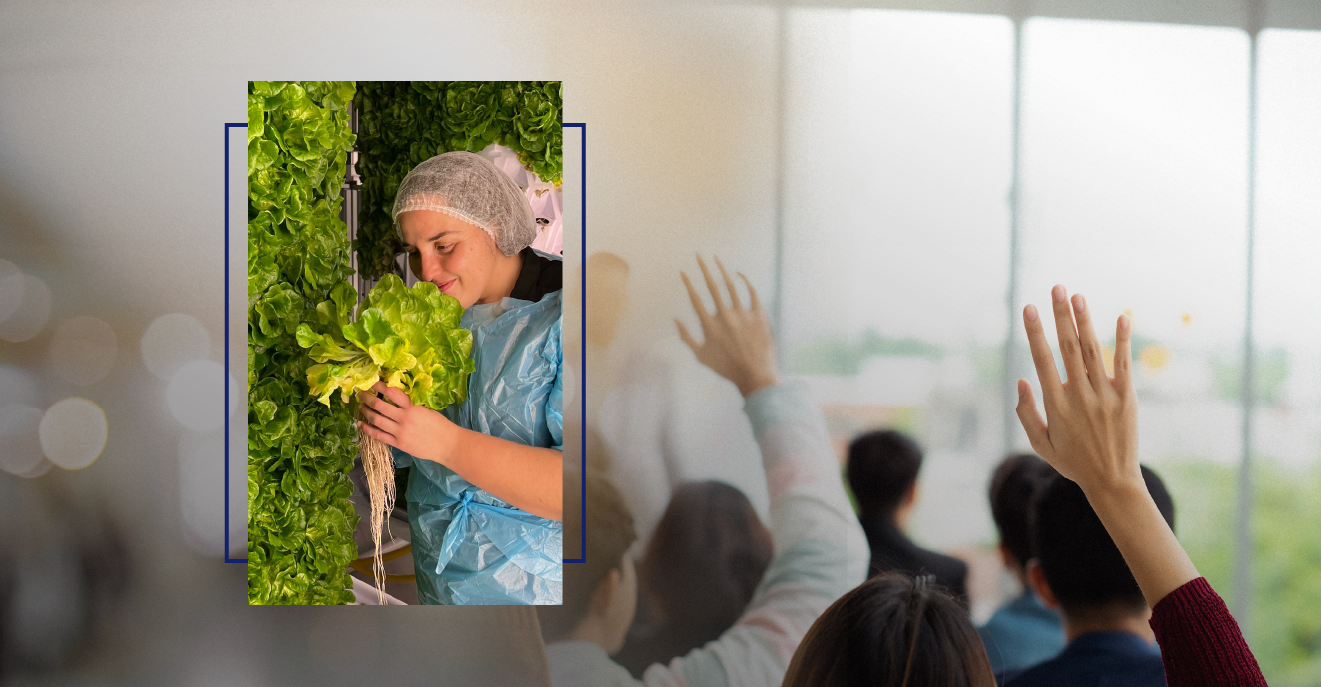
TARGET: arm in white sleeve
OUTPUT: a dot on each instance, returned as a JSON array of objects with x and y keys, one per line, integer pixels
[{"x": 820, "y": 550}]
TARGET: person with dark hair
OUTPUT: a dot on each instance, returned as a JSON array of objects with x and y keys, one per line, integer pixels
[
  {"x": 1089, "y": 434},
  {"x": 892, "y": 630},
  {"x": 1079, "y": 570},
  {"x": 882, "y": 472},
  {"x": 820, "y": 552},
  {"x": 700, "y": 569},
  {"x": 1023, "y": 632},
  {"x": 600, "y": 594}
]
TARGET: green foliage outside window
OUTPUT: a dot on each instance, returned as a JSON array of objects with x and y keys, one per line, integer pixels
[{"x": 1284, "y": 629}]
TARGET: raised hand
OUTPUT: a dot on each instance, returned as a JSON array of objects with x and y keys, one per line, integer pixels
[
  {"x": 1090, "y": 435},
  {"x": 1090, "y": 430},
  {"x": 737, "y": 343}
]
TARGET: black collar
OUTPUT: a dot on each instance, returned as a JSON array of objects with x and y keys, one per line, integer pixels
[
  {"x": 883, "y": 529},
  {"x": 537, "y": 277}
]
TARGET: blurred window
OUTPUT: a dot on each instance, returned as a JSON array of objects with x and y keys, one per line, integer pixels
[
  {"x": 1133, "y": 177},
  {"x": 896, "y": 238}
]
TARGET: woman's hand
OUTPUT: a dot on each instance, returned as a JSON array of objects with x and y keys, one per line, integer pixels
[
  {"x": 738, "y": 343},
  {"x": 416, "y": 430},
  {"x": 526, "y": 477},
  {"x": 1092, "y": 433}
]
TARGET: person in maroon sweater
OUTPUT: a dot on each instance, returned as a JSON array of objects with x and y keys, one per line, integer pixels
[
  {"x": 1089, "y": 434},
  {"x": 901, "y": 631}
]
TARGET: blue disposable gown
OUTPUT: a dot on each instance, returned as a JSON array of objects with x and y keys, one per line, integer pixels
[{"x": 470, "y": 547}]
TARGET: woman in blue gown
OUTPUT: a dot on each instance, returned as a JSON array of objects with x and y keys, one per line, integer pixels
[{"x": 485, "y": 485}]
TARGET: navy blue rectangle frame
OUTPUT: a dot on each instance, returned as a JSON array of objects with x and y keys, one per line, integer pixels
[{"x": 583, "y": 365}]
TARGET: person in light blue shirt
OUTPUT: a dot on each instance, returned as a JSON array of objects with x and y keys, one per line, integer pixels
[{"x": 1023, "y": 632}]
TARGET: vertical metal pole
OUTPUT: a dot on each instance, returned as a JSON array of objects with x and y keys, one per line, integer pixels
[
  {"x": 351, "y": 201},
  {"x": 1243, "y": 539},
  {"x": 1010, "y": 384},
  {"x": 781, "y": 69}
]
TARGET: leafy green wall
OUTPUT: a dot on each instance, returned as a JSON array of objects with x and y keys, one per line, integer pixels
[
  {"x": 300, "y": 520},
  {"x": 403, "y": 123}
]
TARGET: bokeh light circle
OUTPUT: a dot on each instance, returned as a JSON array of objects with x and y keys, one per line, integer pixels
[
  {"x": 73, "y": 433},
  {"x": 32, "y": 311},
  {"x": 20, "y": 446},
  {"x": 196, "y": 395},
  {"x": 84, "y": 350},
  {"x": 171, "y": 341}
]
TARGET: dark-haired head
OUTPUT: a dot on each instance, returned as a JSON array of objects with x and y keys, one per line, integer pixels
[
  {"x": 882, "y": 468},
  {"x": 700, "y": 569},
  {"x": 706, "y": 557},
  {"x": 892, "y": 631},
  {"x": 1086, "y": 573},
  {"x": 1014, "y": 484}
]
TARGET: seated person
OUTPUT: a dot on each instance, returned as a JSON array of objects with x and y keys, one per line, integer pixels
[
  {"x": 892, "y": 630},
  {"x": 820, "y": 552},
  {"x": 882, "y": 471},
  {"x": 1023, "y": 632},
  {"x": 600, "y": 594},
  {"x": 701, "y": 567},
  {"x": 1079, "y": 570}
]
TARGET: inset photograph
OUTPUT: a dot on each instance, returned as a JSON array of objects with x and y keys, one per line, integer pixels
[{"x": 405, "y": 395}]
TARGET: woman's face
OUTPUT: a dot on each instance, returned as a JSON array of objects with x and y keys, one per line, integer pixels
[{"x": 452, "y": 254}]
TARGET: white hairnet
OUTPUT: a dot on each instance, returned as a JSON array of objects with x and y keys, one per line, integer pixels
[{"x": 469, "y": 187}]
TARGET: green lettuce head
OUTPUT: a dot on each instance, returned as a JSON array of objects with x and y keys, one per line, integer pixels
[
  {"x": 408, "y": 338},
  {"x": 471, "y": 110}
]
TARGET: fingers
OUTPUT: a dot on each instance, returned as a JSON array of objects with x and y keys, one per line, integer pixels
[
  {"x": 379, "y": 406},
  {"x": 395, "y": 396},
  {"x": 1033, "y": 423},
  {"x": 384, "y": 437},
  {"x": 374, "y": 418},
  {"x": 1123, "y": 355},
  {"x": 1042, "y": 358},
  {"x": 687, "y": 338},
  {"x": 711, "y": 284},
  {"x": 752, "y": 293},
  {"x": 1088, "y": 344},
  {"x": 1068, "y": 336},
  {"x": 729, "y": 284},
  {"x": 702, "y": 314}
]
